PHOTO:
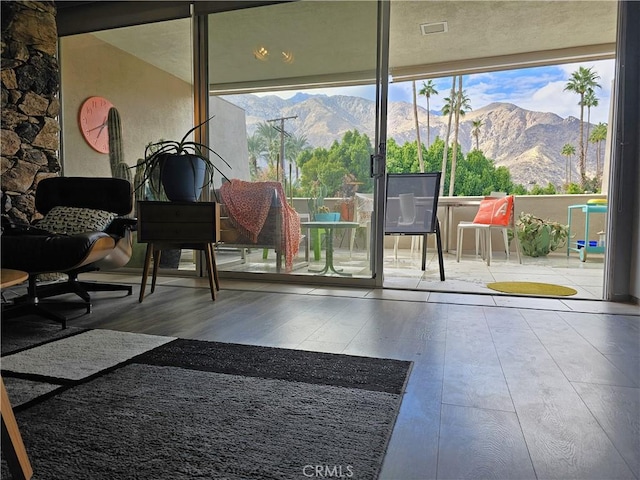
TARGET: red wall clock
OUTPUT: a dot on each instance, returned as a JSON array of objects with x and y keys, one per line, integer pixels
[{"x": 92, "y": 120}]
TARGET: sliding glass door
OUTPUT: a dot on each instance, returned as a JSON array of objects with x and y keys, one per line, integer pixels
[
  {"x": 299, "y": 92},
  {"x": 293, "y": 96},
  {"x": 296, "y": 106},
  {"x": 499, "y": 113}
]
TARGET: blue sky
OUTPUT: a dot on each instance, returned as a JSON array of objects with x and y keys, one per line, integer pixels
[{"x": 538, "y": 89}]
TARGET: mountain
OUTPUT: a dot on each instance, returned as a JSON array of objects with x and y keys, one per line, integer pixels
[{"x": 527, "y": 142}]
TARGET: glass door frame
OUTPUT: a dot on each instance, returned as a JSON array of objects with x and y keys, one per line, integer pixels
[
  {"x": 378, "y": 159},
  {"x": 200, "y": 30}
]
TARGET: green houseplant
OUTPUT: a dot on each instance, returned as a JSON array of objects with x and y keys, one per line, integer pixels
[
  {"x": 179, "y": 169},
  {"x": 539, "y": 237},
  {"x": 316, "y": 200},
  {"x": 175, "y": 171}
]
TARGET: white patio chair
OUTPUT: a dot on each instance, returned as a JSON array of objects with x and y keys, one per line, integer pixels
[{"x": 483, "y": 234}]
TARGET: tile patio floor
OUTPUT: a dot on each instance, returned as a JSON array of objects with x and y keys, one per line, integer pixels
[{"x": 470, "y": 275}]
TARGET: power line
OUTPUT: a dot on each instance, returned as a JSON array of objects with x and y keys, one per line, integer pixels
[{"x": 283, "y": 132}]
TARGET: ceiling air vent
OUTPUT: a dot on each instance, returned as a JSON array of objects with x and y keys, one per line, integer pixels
[{"x": 437, "y": 27}]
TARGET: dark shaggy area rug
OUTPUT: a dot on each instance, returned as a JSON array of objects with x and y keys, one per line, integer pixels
[{"x": 204, "y": 410}]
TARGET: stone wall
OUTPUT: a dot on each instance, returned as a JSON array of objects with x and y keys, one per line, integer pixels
[{"x": 30, "y": 104}]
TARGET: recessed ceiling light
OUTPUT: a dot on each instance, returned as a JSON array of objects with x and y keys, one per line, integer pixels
[
  {"x": 261, "y": 53},
  {"x": 436, "y": 27}
]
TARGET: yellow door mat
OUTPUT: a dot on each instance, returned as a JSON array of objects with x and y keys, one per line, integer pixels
[{"x": 532, "y": 288}]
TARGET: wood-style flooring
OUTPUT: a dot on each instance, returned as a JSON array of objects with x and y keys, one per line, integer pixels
[{"x": 520, "y": 391}]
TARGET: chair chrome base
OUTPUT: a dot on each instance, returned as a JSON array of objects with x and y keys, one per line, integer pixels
[
  {"x": 32, "y": 304},
  {"x": 81, "y": 288}
]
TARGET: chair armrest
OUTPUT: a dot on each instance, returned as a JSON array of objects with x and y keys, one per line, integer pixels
[{"x": 120, "y": 225}]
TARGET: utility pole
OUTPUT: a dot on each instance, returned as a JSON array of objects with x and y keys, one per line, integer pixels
[{"x": 280, "y": 128}]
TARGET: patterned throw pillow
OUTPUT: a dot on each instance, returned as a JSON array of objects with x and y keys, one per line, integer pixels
[{"x": 73, "y": 220}]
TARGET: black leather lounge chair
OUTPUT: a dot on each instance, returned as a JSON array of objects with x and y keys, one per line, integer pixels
[{"x": 81, "y": 211}]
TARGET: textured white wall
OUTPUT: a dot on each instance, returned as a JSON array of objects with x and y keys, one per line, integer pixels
[
  {"x": 152, "y": 104},
  {"x": 228, "y": 131}
]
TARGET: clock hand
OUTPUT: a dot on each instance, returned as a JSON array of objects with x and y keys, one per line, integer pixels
[
  {"x": 98, "y": 127},
  {"x": 104, "y": 124},
  {"x": 99, "y": 133}
]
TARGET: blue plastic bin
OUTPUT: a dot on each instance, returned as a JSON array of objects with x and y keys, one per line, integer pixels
[{"x": 592, "y": 243}]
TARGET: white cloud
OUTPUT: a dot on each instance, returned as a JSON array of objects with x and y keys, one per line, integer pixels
[
  {"x": 482, "y": 94},
  {"x": 552, "y": 98},
  {"x": 539, "y": 89}
]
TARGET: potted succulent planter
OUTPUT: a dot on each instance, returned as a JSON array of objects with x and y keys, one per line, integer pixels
[
  {"x": 539, "y": 237},
  {"x": 182, "y": 177},
  {"x": 316, "y": 202},
  {"x": 327, "y": 217},
  {"x": 177, "y": 169}
]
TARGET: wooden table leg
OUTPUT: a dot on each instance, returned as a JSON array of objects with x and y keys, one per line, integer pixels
[
  {"x": 215, "y": 266},
  {"x": 210, "y": 271},
  {"x": 156, "y": 264},
  {"x": 12, "y": 446},
  {"x": 145, "y": 271}
]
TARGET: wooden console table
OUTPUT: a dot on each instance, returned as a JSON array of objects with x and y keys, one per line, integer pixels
[{"x": 165, "y": 225}]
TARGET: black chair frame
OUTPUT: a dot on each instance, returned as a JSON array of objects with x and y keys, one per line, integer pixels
[
  {"x": 423, "y": 186},
  {"x": 36, "y": 251}
]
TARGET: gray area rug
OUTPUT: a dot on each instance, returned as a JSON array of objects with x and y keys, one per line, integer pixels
[
  {"x": 82, "y": 355},
  {"x": 191, "y": 409},
  {"x": 20, "y": 334}
]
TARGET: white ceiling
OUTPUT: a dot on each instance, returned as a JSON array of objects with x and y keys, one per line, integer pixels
[
  {"x": 336, "y": 40},
  {"x": 485, "y": 33}
]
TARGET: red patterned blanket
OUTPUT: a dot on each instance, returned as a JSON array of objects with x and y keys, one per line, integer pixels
[{"x": 248, "y": 205}]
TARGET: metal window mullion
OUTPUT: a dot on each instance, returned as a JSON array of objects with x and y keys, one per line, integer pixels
[
  {"x": 201, "y": 101},
  {"x": 382, "y": 88}
]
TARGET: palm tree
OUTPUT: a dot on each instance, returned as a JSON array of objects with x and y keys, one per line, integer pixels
[
  {"x": 475, "y": 131},
  {"x": 461, "y": 106},
  {"x": 294, "y": 145},
  {"x": 415, "y": 118},
  {"x": 256, "y": 147},
  {"x": 590, "y": 100},
  {"x": 271, "y": 139},
  {"x": 598, "y": 135},
  {"x": 447, "y": 109},
  {"x": 581, "y": 81},
  {"x": 568, "y": 151},
  {"x": 427, "y": 90}
]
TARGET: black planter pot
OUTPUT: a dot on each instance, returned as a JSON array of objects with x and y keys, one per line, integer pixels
[{"x": 182, "y": 177}]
